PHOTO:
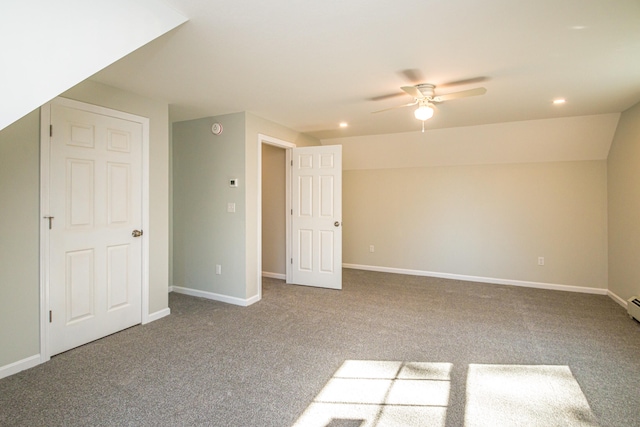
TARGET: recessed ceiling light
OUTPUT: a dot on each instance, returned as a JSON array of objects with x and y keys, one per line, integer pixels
[
  {"x": 559, "y": 101},
  {"x": 344, "y": 124}
]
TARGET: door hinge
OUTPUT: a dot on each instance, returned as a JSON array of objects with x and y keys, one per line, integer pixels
[
  {"x": 50, "y": 316},
  {"x": 291, "y": 260},
  {"x": 50, "y": 218},
  {"x": 50, "y": 130},
  {"x": 291, "y": 211},
  {"x": 292, "y": 163}
]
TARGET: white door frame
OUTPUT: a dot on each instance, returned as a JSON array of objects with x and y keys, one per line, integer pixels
[
  {"x": 45, "y": 120},
  {"x": 287, "y": 146}
]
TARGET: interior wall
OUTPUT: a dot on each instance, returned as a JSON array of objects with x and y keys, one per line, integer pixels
[
  {"x": 19, "y": 239},
  {"x": 204, "y": 233},
  {"x": 490, "y": 221},
  {"x": 624, "y": 206},
  {"x": 273, "y": 210}
]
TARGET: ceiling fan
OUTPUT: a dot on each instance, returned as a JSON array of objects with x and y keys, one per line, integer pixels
[{"x": 425, "y": 97}]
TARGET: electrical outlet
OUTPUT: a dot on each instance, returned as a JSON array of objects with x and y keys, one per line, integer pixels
[
  {"x": 231, "y": 207},
  {"x": 218, "y": 269},
  {"x": 372, "y": 248},
  {"x": 540, "y": 260}
]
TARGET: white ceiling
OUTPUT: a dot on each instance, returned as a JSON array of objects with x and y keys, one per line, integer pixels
[
  {"x": 43, "y": 54},
  {"x": 310, "y": 65}
]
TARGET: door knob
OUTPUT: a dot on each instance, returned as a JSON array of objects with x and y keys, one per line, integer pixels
[
  {"x": 136, "y": 233},
  {"x": 337, "y": 223}
]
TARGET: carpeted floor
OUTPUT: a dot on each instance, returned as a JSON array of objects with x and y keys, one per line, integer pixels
[{"x": 386, "y": 350}]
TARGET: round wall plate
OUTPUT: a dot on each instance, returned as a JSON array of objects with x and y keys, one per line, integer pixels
[{"x": 216, "y": 128}]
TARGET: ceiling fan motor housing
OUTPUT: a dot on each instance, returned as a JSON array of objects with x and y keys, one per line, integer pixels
[{"x": 426, "y": 89}]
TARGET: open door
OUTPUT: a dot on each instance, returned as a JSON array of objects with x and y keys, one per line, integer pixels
[{"x": 316, "y": 216}]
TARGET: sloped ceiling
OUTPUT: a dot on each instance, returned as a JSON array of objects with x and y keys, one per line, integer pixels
[
  {"x": 561, "y": 139},
  {"x": 49, "y": 46}
]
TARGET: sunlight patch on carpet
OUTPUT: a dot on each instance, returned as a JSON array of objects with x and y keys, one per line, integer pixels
[
  {"x": 525, "y": 395},
  {"x": 368, "y": 393}
]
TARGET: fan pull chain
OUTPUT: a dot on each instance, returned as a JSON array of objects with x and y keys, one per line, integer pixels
[{"x": 422, "y": 127}]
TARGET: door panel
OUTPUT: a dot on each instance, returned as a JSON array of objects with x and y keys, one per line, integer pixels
[
  {"x": 117, "y": 276},
  {"x": 79, "y": 191},
  {"x": 80, "y": 285},
  {"x": 317, "y": 216},
  {"x": 95, "y": 264},
  {"x": 118, "y": 191}
]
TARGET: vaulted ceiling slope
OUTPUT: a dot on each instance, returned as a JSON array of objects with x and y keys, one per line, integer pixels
[
  {"x": 48, "y": 47},
  {"x": 312, "y": 65}
]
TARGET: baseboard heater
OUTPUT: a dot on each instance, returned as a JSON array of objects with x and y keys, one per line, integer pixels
[{"x": 633, "y": 307}]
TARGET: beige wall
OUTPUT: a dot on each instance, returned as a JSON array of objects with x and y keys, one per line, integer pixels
[
  {"x": 624, "y": 206},
  {"x": 273, "y": 209},
  {"x": 491, "y": 221},
  {"x": 19, "y": 239}
]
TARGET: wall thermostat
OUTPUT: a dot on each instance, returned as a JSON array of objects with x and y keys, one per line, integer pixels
[
  {"x": 216, "y": 128},
  {"x": 233, "y": 182}
]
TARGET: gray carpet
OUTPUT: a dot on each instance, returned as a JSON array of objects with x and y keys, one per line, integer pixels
[{"x": 502, "y": 354}]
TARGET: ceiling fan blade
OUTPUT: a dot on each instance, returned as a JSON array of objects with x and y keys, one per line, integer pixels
[
  {"x": 387, "y": 96},
  {"x": 413, "y": 75},
  {"x": 397, "y": 106},
  {"x": 413, "y": 91},
  {"x": 472, "y": 80},
  {"x": 461, "y": 94}
]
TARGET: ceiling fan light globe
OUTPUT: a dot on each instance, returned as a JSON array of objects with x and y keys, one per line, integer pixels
[{"x": 423, "y": 113}]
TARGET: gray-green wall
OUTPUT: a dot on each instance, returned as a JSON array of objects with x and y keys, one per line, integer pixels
[
  {"x": 623, "y": 168},
  {"x": 204, "y": 233}
]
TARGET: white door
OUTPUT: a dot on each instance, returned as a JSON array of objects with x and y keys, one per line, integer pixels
[
  {"x": 95, "y": 262},
  {"x": 316, "y": 226}
]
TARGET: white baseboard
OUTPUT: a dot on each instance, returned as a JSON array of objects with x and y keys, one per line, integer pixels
[
  {"x": 20, "y": 365},
  {"x": 158, "y": 315},
  {"x": 170, "y": 289},
  {"x": 274, "y": 275},
  {"x": 216, "y": 297},
  {"x": 526, "y": 284},
  {"x": 254, "y": 299},
  {"x": 617, "y": 299}
]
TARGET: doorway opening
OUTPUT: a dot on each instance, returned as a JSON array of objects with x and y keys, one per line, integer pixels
[
  {"x": 274, "y": 201},
  {"x": 274, "y": 209}
]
